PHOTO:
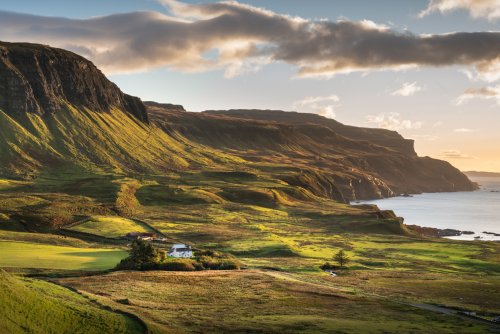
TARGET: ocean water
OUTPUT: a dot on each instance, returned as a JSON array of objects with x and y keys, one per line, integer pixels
[{"x": 477, "y": 211}]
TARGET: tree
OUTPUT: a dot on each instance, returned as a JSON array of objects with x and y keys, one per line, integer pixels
[
  {"x": 142, "y": 256},
  {"x": 341, "y": 258}
]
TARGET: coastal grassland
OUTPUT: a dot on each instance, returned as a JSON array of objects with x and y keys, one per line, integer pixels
[
  {"x": 110, "y": 226},
  {"x": 271, "y": 227},
  {"x": 256, "y": 301},
  {"x": 34, "y": 306},
  {"x": 16, "y": 254}
]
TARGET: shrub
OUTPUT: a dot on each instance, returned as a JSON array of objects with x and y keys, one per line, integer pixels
[
  {"x": 328, "y": 266},
  {"x": 178, "y": 265},
  {"x": 143, "y": 256},
  {"x": 222, "y": 263}
]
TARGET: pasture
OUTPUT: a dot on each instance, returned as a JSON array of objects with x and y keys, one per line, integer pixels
[
  {"x": 41, "y": 256},
  {"x": 110, "y": 227}
]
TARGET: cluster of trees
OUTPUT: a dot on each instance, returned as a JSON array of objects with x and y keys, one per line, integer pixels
[{"x": 144, "y": 256}]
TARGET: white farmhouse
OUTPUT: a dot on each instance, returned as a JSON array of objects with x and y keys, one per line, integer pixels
[{"x": 180, "y": 250}]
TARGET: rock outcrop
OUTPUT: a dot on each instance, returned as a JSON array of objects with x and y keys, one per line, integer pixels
[{"x": 42, "y": 80}]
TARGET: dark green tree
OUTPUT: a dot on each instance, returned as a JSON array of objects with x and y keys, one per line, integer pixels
[
  {"x": 142, "y": 256},
  {"x": 341, "y": 258}
]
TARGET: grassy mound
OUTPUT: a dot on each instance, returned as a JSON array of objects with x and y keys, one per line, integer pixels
[
  {"x": 110, "y": 227},
  {"x": 32, "y": 306},
  {"x": 163, "y": 195}
]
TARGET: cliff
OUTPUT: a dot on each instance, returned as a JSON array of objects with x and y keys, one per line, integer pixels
[
  {"x": 324, "y": 156},
  {"x": 42, "y": 80},
  {"x": 57, "y": 109}
]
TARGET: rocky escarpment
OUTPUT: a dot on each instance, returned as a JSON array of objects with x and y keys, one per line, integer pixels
[
  {"x": 40, "y": 79},
  {"x": 324, "y": 156},
  {"x": 382, "y": 137}
]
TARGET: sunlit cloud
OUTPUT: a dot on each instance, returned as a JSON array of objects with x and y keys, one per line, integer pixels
[
  {"x": 321, "y": 105},
  {"x": 238, "y": 38},
  {"x": 454, "y": 154},
  {"x": 408, "y": 89},
  {"x": 489, "y": 9},
  {"x": 393, "y": 121},
  {"x": 463, "y": 130},
  {"x": 484, "y": 93}
]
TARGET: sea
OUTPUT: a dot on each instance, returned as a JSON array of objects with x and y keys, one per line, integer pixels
[{"x": 477, "y": 211}]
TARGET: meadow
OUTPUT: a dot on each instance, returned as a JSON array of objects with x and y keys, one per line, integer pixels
[
  {"x": 110, "y": 227},
  {"x": 39, "y": 307},
  {"x": 256, "y": 302},
  {"x": 16, "y": 254},
  {"x": 281, "y": 234}
]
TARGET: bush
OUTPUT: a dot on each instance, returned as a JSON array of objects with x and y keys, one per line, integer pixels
[
  {"x": 328, "y": 266},
  {"x": 143, "y": 256},
  {"x": 212, "y": 260},
  {"x": 178, "y": 265}
]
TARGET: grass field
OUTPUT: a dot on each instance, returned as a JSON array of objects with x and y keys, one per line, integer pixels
[
  {"x": 38, "y": 307},
  {"x": 110, "y": 227},
  {"x": 257, "y": 302},
  {"x": 281, "y": 234},
  {"x": 32, "y": 255}
]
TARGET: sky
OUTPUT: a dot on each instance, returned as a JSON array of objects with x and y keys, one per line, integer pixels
[{"x": 429, "y": 69}]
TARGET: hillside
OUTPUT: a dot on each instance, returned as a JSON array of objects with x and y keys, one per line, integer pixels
[
  {"x": 328, "y": 158},
  {"x": 57, "y": 110},
  {"x": 80, "y": 168},
  {"x": 30, "y": 306}
]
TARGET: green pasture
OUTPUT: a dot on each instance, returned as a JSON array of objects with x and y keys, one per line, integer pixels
[
  {"x": 110, "y": 227},
  {"x": 38, "y": 307},
  {"x": 33, "y": 255}
]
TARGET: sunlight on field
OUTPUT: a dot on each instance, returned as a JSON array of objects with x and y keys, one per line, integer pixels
[
  {"x": 32, "y": 255},
  {"x": 110, "y": 227}
]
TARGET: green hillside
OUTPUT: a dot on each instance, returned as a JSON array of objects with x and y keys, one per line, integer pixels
[
  {"x": 32, "y": 306},
  {"x": 111, "y": 141}
]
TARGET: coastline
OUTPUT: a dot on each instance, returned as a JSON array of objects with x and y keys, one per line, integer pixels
[{"x": 463, "y": 215}]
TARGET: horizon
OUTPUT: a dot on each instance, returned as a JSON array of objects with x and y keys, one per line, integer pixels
[{"x": 449, "y": 106}]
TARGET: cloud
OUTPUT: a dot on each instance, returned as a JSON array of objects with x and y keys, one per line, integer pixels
[
  {"x": 392, "y": 121},
  {"x": 321, "y": 105},
  {"x": 408, "y": 89},
  {"x": 463, "y": 130},
  {"x": 489, "y": 9},
  {"x": 239, "y": 38},
  {"x": 454, "y": 154},
  {"x": 485, "y": 93}
]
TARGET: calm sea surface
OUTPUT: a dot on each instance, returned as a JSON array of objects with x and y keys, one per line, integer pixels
[{"x": 477, "y": 211}]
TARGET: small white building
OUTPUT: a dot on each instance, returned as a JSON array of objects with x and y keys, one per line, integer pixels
[{"x": 180, "y": 250}]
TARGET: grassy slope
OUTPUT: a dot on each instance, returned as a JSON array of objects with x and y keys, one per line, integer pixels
[
  {"x": 110, "y": 227},
  {"x": 32, "y": 306},
  {"x": 111, "y": 141}
]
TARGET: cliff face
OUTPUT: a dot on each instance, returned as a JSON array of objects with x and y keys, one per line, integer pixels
[
  {"x": 56, "y": 107},
  {"x": 325, "y": 157},
  {"x": 40, "y": 79}
]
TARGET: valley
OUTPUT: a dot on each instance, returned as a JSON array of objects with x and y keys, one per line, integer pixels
[{"x": 84, "y": 164}]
